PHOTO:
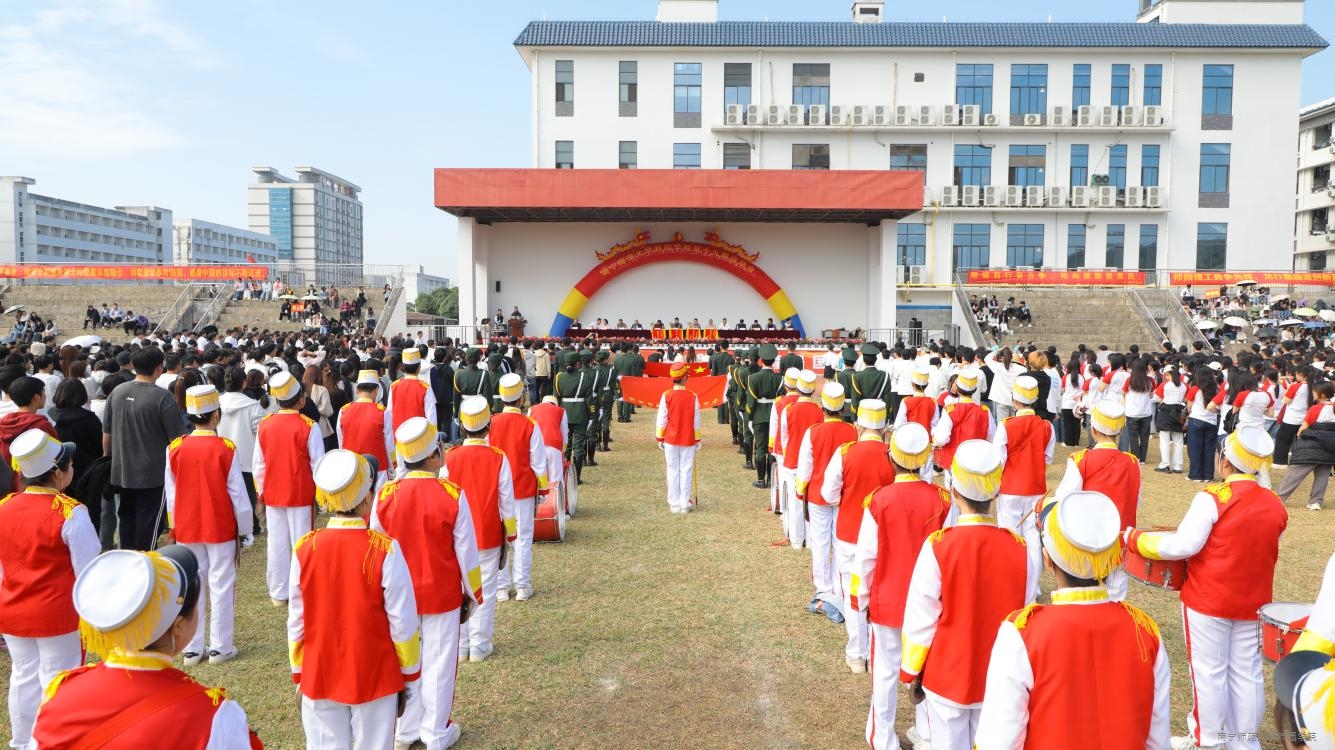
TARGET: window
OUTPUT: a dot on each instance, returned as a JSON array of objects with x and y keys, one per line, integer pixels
[
  {"x": 685, "y": 156},
  {"x": 736, "y": 84},
  {"x": 1149, "y": 247},
  {"x": 1121, "y": 84},
  {"x": 1153, "y": 85},
  {"x": 1316, "y": 262},
  {"x": 1116, "y": 253},
  {"x": 686, "y": 95},
  {"x": 1149, "y": 165},
  {"x": 1211, "y": 247},
  {"x": 973, "y": 85},
  {"x": 811, "y": 85},
  {"x": 911, "y": 244},
  {"x": 1079, "y": 164},
  {"x": 1029, "y": 89},
  {"x": 628, "y": 87},
  {"x": 1024, "y": 245},
  {"x": 1080, "y": 85},
  {"x": 1117, "y": 167},
  {"x": 811, "y": 156},
  {"x": 1321, "y": 136},
  {"x": 565, "y": 81},
  {"x": 1320, "y": 220},
  {"x": 973, "y": 245},
  {"x": 565, "y": 154},
  {"x": 1320, "y": 180},
  {"x": 973, "y": 165},
  {"x": 1214, "y": 167},
  {"x": 1217, "y": 96},
  {"x": 910, "y": 157},
  {"x": 736, "y": 156},
  {"x": 628, "y": 157},
  {"x": 1075, "y": 245},
  {"x": 1027, "y": 165}
]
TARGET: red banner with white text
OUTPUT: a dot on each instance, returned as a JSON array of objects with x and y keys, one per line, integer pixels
[
  {"x": 132, "y": 273},
  {"x": 1056, "y": 278},
  {"x": 1264, "y": 278},
  {"x": 647, "y": 391}
]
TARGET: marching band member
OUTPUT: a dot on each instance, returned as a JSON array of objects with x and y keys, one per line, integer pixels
[
  {"x": 967, "y": 578},
  {"x": 419, "y": 511},
  {"x": 352, "y": 622},
  {"x": 364, "y": 425},
  {"x": 800, "y": 416},
  {"x": 410, "y": 396},
  {"x": 137, "y": 610},
  {"x": 484, "y": 475},
  {"x": 855, "y": 471},
  {"x": 1084, "y": 660},
  {"x": 778, "y": 492},
  {"x": 1230, "y": 537},
  {"x": 521, "y": 440},
  {"x": 819, "y": 445},
  {"x": 677, "y": 429},
  {"x": 918, "y": 407},
  {"x": 551, "y": 419},
  {"x": 48, "y": 540},
  {"x": 1026, "y": 442},
  {"x": 1319, "y": 632},
  {"x": 897, "y": 519},
  {"x": 1305, "y": 701},
  {"x": 211, "y": 517},
  {"x": 961, "y": 421},
  {"x": 288, "y": 445}
]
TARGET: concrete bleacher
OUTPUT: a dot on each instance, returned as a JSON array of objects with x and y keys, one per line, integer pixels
[
  {"x": 65, "y": 304},
  {"x": 1066, "y": 318},
  {"x": 254, "y": 314}
]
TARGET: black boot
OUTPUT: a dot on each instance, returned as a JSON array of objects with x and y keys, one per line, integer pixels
[
  {"x": 590, "y": 460},
  {"x": 579, "y": 471}
]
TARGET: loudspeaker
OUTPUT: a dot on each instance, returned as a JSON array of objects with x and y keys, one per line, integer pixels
[{"x": 498, "y": 286}]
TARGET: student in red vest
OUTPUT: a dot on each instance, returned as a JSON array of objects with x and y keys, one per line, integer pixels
[
  {"x": 552, "y": 422},
  {"x": 920, "y": 408},
  {"x": 963, "y": 420},
  {"x": 819, "y": 445},
  {"x": 210, "y": 517},
  {"x": 483, "y": 473},
  {"x": 409, "y": 396},
  {"x": 779, "y": 488},
  {"x": 137, "y": 611},
  {"x": 352, "y": 627},
  {"x": 967, "y": 578},
  {"x": 48, "y": 539},
  {"x": 521, "y": 440},
  {"x": 1083, "y": 663},
  {"x": 855, "y": 472},
  {"x": 896, "y": 521},
  {"x": 800, "y": 416},
  {"x": 288, "y": 445},
  {"x": 363, "y": 425},
  {"x": 677, "y": 429},
  {"x": 1026, "y": 442},
  {"x": 419, "y": 511},
  {"x": 1230, "y": 540},
  {"x": 1109, "y": 471}
]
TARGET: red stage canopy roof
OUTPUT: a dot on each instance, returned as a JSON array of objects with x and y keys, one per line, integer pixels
[{"x": 568, "y": 195}]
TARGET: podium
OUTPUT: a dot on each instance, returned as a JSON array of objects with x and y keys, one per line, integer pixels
[{"x": 517, "y": 327}]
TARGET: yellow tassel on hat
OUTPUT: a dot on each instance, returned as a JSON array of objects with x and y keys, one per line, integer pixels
[
  {"x": 909, "y": 460},
  {"x": 1098, "y": 565},
  {"x": 137, "y": 634},
  {"x": 1326, "y": 693}
]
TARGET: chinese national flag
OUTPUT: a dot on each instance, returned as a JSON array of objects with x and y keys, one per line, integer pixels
[
  {"x": 663, "y": 370},
  {"x": 250, "y": 258}
]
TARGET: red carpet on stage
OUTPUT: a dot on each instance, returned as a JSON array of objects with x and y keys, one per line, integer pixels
[{"x": 646, "y": 392}]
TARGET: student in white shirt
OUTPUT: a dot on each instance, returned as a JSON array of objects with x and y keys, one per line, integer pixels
[{"x": 1170, "y": 393}]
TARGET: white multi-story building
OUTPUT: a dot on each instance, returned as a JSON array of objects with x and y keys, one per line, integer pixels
[
  {"x": 315, "y": 219},
  {"x": 197, "y": 242},
  {"x": 40, "y": 229},
  {"x": 1314, "y": 226},
  {"x": 1159, "y": 144}
]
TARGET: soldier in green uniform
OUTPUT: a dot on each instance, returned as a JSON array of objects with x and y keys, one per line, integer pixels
[
  {"x": 573, "y": 387},
  {"x": 606, "y": 395},
  {"x": 469, "y": 380},
  {"x": 740, "y": 372},
  {"x": 622, "y": 367},
  {"x": 870, "y": 382},
  {"x": 495, "y": 369},
  {"x": 762, "y": 387},
  {"x": 792, "y": 359},
  {"x": 844, "y": 377},
  {"x": 719, "y": 362},
  {"x": 636, "y": 370},
  {"x": 590, "y": 406}
]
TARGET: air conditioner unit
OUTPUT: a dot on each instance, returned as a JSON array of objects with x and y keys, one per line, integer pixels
[
  {"x": 840, "y": 115},
  {"x": 1033, "y": 119},
  {"x": 992, "y": 195},
  {"x": 1107, "y": 197},
  {"x": 917, "y": 274},
  {"x": 816, "y": 114},
  {"x": 1033, "y": 196},
  {"x": 736, "y": 114},
  {"x": 881, "y": 115},
  {"x": 1084, "y": 116},
  {"x": 795, "y": 113},
  {"x": 1080, "y": 196},
  {"x": 1330, "y": 236},
  {"x": 926, "y": 196},
  {"x": 950, "y": 195},
  {"x": 970, "y": 114},
  {"x": 1061, "y": 116},
  {"x": 1154, "y": 197},
  {"x": 1135, "y": 197},
  {"x": 1108, "y": 117},
  {"x": 755, "y": 114},
  {"x": 1131, "y": 116},
  {"x": 991, "y": 120},
  {"x": 903, "y": 115},
  {"x": 1331, "y": 148},
  {"x": 926, "y": 115},
  {"x": 950, "y": 114},
  {"x": 861, "y": 115},
  {"x": 1330, "y": 190},
  {"x": 1057, "y": 196},
  {"x": 775, "y": 114},
  {"x": 1014, "y": 196},
  {"x": 970, "y": 195},
  {"x": 1152, "y": 116}
]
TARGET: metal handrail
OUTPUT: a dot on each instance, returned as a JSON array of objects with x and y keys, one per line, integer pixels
[
  {"x": 974, "y": 329},
  {"x": 177, "y": 309},
  {"x": 1146, "y": 316},
  {"x": 1172, "y": 308},
  {"x": 211, "y": 311},
  {"x": 394, "y": 296}
]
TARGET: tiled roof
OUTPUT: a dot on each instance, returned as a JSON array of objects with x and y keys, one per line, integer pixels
[{"x": 914, "y": 34}]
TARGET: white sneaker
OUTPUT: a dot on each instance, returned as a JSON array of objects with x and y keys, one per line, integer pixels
[
  {"x": 452, "y": 734},
  {"x": 463, "y": 655},
  {"x": 1183, "y": 743},
  {"x": 856, "y": 666},
  {"x": 403, "y": 745},
  {"x": 278, "y": 602},
  {"x": 192, "y": 658},
  {"x": 1314, "y": 506},
  {"x": 476, "y": 655},
  {"x": 218, "y": 657},
  {"x": 523, "y": 594},
  {"x": 916, "y": 740},
  {"x": 503, "y": 595}
]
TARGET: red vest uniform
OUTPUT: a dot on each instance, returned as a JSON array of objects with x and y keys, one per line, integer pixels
[
  {"x": 409, "y": 400},
  {"x": 781, "y": 404},
  {"x": 549, "y": 416},
  {"x": 1233, "y": 574},
  {"x": 203, "y": 511},
  {"x": 283, "y": 439},
  {"x": 511, "y": 431},
  {"x": 1115, "y": 474},
  {"x": 906, "y": 512},
  {"x": 1093, "y": 667},
  {"x": 37, "y": 592},
  {"x": 826, "y": 438},
  {"x": 800, "y": 417},
  {"x": 681, "y": 410},
  {"x": 362, "y": 423},
  {"x": 476, "y": 469},
  {"x": 348, "y": 653},
  {"x": 419, "y": 513},
  {"x": 1026, "y": 471},
  {"x": 983, "y": 579},
  {"x": 920, "y": 409},
  {"x": 866, "y": 467},
  {"x": 968, "y": 421}
]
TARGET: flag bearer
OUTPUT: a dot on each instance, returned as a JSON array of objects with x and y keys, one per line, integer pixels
[
  {"x": 818, "y": 447},
  {"x": 1026, "y": 442},
  {"x": 677, "y": 429},
  {"x": 520, "y": 438},
  {"x": 364, "y": 427}
]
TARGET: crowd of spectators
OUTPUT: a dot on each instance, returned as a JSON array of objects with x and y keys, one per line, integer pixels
[{"x": 999, "y": 319}]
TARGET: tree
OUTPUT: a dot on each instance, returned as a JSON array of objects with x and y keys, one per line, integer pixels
[{"x": 441, "y": 302}]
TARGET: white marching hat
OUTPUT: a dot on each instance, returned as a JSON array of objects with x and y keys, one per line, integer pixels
[
  {"x": 806, "y": 382},
  {"x": 1108, "y": 417},
  {"x": 284, "y": 387},
  {"x": 35, "y": 453},
  {"x": 127, "y": 600},
  {"x": 790, "y": 377},
  {"x": 967, "y": 379},
  {"x": 1025, "y": 389},
  {"x": 922, "y": 374},
  {"x": 1081, "y": 534},
  {"x": 976, "y": 470},
  {"x": 1249, "y": 449},
  {"x": 415, "y": 440},
  {"x": 201, "y": 399},
  {"x": 832, "y": 397},
  {"x": 474, "y": 413},
  {"x": 871, "y": 414},
  {"x": 911, "y": 446},
  {"x": 342, "y": 479},
  {"x": 368, "y": 377}
]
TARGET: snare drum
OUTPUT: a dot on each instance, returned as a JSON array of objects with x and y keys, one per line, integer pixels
[
  {"x": 1279, "y": 626},
  {"x": 1159, "y": 574},
  {"x": 570, "y": 490},
  {"x": 549, "y": 520}
]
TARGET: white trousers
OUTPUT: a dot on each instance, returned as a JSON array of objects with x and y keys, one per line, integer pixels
[
  {"x": 855, "y": 622},
  {"x": 1226, "y": 681},
  {"x": 331, "y": 725},
  {"x": 483, "y": 620},
  {"x": 824, "y": 576},
  {"x": 1173, "y": 439},
  {"x": 33, "y": 664},
  {"x": 952, "y": 726},
  {"x": 217, "y": 567},
  {"x": 431, "y": 700},
  {"x": 885, "y": 653},
  {"x": 284, "y": 527},
  {"x": 1011, "y": 509},
  {"x": 680, "y": 460},
  {"x": 519, "y": 568},
  {"x": 794, "y": 514}
]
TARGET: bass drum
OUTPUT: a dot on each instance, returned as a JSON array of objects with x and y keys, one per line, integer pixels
[{"x": 549, "y": 519}]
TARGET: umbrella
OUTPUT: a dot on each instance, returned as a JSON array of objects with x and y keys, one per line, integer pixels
[
  {"x": 1279, "y": 298},
  {"x": 1327, "y": 315},
  {"x": 86, "y": 341},
  {"x": 1234, "y": 320},
  {"x": 1264, "y": 322},
  {"x": 1206, "y": 325},
  {"x": 1268, "y": 332},
  {"x": 312, "y": 298},
  {"x": 1316, "y": 324},
  {"x": 1305, "y": 312},
  {"x": 13, "y": 308},
  {"x": 1291, "y": 322},
  {"x": 288, "y": 296},
  {"x": 1245, "y": 282}
]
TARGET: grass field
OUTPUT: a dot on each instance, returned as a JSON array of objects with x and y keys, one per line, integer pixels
[{"x": 651, "y": 630}]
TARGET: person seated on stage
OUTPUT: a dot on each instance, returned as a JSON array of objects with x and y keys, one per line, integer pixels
[
  {"x": 499, "y": 320},
  {"x": 788, "y": 325},
  {"x": 742, "y": 326},
  {"x": 676, "y": 323},
  {"x": 636, "y": 326},
  {"x": 658, "y": 325},
  {"x": 516, "y": 314},
  {"x": 769, "y": 325},
  {"x": 695, "y": 323},
  {"x": 621, "y": 324},
  {"x": 709, "y": 326},
  {"x": 576, "y": 324},
  {"x": 755, "y": 324},
  {"x": 723, "y": 325}
]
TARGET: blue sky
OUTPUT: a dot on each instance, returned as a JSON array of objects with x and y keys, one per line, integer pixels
[{"x": 132, "y": 102}]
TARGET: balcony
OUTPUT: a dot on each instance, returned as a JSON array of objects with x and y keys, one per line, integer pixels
[
  {"x": 933, "y": 119},
  {"x": 1077, "y": 199}
]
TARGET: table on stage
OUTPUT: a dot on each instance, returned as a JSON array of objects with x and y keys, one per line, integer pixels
[{"x": 684, "y": 334}]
